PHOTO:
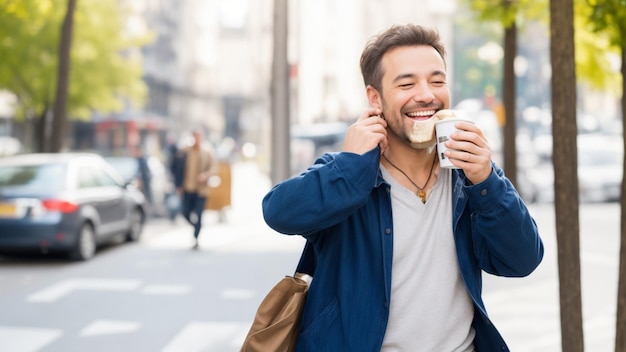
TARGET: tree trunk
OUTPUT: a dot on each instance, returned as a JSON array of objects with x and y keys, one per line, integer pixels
[
  {"x": 564, "y": 156},
  {"x": 620, "y": 321},
  {"x": 59, "y": 121},
  {"x": 508, "y": 99},
  {"x": 38, "y": 131}
]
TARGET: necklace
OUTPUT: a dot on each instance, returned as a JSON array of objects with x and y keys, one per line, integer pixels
[{"x": 420, "y": 190}]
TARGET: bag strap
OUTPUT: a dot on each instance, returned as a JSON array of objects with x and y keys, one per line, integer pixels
[{"x": 306, "y": 265}]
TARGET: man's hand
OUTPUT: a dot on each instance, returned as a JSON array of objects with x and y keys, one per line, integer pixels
[
  {"x": 470, "y": 151},
  {"x": 369, "y": 131}
]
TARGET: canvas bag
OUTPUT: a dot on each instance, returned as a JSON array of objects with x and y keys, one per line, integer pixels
[{"x": 276, "y": 324}]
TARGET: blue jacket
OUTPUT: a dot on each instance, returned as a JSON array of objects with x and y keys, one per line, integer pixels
[{"x": 342, "y": 206}]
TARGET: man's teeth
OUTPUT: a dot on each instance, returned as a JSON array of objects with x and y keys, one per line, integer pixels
[{"x": 421, "y": 113}]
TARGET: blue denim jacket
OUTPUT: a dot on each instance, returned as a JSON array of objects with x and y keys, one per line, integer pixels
[{"x": 342, "y": 206}]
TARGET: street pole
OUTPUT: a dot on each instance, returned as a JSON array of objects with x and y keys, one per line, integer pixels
[{"x": 281, "y": 154}]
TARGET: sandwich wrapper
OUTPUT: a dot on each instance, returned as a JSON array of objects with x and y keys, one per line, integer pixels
[{"x": 423, "y": 134}]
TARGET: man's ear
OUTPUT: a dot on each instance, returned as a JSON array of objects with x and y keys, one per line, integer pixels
[{"x": 373, "y": 97}]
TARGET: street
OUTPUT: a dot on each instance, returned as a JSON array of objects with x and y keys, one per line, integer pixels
[{"x": 160, "y": 295}]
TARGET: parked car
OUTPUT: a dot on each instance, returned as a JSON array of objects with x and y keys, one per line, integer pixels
[
  {"x": 10, "y": 146},
  {"x": 66, "y": 202},
  {"x": 308, "y": 142},
  {"x": 160, "y": 185},
  {"x": 600, "y": 161}
]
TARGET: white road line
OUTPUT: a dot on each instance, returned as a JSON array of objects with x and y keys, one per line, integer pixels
[
  {"x": 202, "y": 336},
  {"x": 160, "y": 289},
  {"x": 26, "y": 339},
  {"x": 237, "y": 294},
  {"x": 109, "y": 327},
  {"x": 60, "y": 289}
]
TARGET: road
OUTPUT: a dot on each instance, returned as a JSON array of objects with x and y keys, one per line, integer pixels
[{"x": 160, "y": 295}]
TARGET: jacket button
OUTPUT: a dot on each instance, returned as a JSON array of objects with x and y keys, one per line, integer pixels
[
  {"x": 483, "y": 192},
  {"x": 387, "y": 231}
]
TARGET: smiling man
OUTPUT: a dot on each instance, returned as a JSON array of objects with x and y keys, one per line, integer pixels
[{"x": 400, "y": 242}]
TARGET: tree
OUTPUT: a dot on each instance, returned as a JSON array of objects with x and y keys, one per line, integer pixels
[
  {"x": 564, "y": 156},
  {"x": 508, "y": 13},
  {"x": 593, "y": 69},
  {"x": 609, "y": 18},
  {"x": 105, "y": 66}
]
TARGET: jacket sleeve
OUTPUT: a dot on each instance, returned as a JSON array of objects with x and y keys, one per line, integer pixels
[
  {"x": 325, "y": 194},
  {"x": 505, "y": 235}
]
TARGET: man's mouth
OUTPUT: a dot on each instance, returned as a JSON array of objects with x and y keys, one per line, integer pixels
[{"x": 420, "y": 115}]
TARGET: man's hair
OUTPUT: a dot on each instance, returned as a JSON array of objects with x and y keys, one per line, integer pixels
[{"x": 396, "y": 36}]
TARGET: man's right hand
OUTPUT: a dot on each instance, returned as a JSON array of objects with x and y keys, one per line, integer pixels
[{"x": 369, "y": 131}]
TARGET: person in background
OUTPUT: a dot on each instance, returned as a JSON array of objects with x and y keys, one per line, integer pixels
[
  {"x": 173, "y": 198},
  {"x": 144, "y": 175},
  {"x": 192, "y": 166},
  {"x": 401, "y": 243}
]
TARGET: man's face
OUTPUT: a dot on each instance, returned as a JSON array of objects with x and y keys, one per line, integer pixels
[{"x": 414, "y": 88}]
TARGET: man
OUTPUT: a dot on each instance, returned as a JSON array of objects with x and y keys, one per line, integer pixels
[
  {"x": 400, "y": 242},
  {"x": 192, "y": 168}
]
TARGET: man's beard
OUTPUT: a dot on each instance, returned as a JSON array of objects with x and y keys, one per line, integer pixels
[{"x": 421, "y": 135}]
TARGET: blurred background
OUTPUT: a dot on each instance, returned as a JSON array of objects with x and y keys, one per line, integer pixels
[
  {"x": 143, "y": 72},
  {"x": 271, "y": 85}
]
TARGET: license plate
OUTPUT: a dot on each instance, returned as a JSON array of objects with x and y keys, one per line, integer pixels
[{"x": 8, "y": 210}]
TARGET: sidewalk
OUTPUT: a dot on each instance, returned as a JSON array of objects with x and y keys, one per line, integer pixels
[
  {"x": 527, "y": 311},
  {"x": 244, "y": 229}
]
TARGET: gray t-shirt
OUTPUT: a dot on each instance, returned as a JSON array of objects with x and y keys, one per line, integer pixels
[{"x": 430, "y": 308}]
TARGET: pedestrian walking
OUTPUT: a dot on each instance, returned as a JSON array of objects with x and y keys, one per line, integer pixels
[
  {"x": 400, "y": 242},
  {"x": 144, "y": 175},
  {"x": 192, "y": 166}
]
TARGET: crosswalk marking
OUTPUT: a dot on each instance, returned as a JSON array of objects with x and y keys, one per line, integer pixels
[
  {"x": 202, "y": 336},
  {"x": 161, "y": 289},
  {"x": 108, "y": 327},
  {"x": 60, "y": 289},
  {"x": 21, "y": 339},
  {"x": 239, "y": 294}
]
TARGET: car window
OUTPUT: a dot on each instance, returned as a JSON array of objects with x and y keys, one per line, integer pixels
[
  {"x": 600, "y": 157},
  {"x": 87, "y": 177},
  {"x": 104, "y": 179},
  {"x": 49, "y": 176},
  {"x": 91, "y": 176},
  {"x": 127, "y": 167}
]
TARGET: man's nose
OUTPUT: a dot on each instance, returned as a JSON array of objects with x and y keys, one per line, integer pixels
[{"x": 423, "y": 94}]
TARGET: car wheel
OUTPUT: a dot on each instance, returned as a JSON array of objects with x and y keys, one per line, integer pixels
[
  {"x": 136, "y": 226},
  {"x": 85, "y": 245}
]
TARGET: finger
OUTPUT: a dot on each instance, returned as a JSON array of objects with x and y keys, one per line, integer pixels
[
  {"x": 471, "y": 127},
  {"x": 465, "y": 136},
  {"x": 369, "y": 113}
]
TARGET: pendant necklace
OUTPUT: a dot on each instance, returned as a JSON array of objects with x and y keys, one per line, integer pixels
[{"x": 420, "y": 190}]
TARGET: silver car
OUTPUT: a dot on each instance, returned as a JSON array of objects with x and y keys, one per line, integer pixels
[{"x": 66, "y": 202}]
